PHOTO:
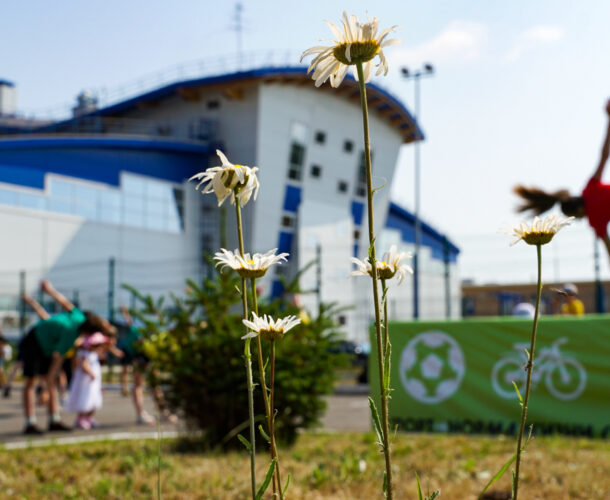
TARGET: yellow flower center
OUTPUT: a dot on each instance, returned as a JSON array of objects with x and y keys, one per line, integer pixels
[
  {"x": 271, "y": 334},
  {"x": 359, "y": 52},
  {"x": 230, "y": 180},
  {"x": 538, "y": 238}
]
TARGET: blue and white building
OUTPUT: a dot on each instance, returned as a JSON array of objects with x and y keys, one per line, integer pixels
[{"x": 110, "y": 183}]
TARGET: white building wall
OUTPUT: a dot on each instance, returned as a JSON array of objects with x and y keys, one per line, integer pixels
[
  {"x": 254, "y": 125},
  {"x": 74, "y": 253},
  {"x": 324, "y": 215}
]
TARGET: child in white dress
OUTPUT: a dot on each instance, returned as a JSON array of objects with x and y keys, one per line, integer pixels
[{"x": 86, "y": 388}]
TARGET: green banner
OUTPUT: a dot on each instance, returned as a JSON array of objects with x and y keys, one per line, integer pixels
[{"x": 457, "y": 376}]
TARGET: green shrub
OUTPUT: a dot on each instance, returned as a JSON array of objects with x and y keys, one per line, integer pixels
[{"x": 197, "y": 357}]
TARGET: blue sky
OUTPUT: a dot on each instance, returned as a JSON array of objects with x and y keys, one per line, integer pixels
[{"x": 517, "y": 96}]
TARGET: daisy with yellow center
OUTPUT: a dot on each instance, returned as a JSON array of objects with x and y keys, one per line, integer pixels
[
  {"x": 268, "y": 328},
  {"x": 229, "y": 180},
  {"x": 387, "y": 268},
  {"x": 246, "y": 266},
  {"x": 540, "y": 231},
  {"x": 357, "y": 43}
]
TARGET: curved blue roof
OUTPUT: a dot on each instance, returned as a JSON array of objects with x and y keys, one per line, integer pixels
[
  {"x": 404, "y": 221},
  {"x": 25, "y": 161},
  {"x": 379, "y": 99}
]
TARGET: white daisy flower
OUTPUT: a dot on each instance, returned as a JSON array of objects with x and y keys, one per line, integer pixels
[
  {"x": 268, "y": 328},
  {"x": 246, "y": 266},
  {"x": 540, "y": 231},
  {"x": 387, "y": 268},
  {"x": 229, "y": 180},
  {"x": 356, "y": 43}
]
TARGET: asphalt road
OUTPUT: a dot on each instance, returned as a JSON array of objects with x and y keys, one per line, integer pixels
[{"x": 347, "y": 410}]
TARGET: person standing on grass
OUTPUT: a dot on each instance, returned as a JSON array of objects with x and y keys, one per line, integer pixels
[
  {"x": 593, "y": 203},
  {"x": 85, "y": 396},
  {"x": 44, "y": 347}
]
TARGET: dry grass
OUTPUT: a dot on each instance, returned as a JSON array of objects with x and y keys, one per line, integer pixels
[{"x": 323, "y": 466}]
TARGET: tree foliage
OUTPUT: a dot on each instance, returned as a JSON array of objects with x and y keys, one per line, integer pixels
[{"x": 197, "y": 358}]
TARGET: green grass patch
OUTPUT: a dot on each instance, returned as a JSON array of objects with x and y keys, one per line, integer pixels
[{"x": 322, "y": 466}]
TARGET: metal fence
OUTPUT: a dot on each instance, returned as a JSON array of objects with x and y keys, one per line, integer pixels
[{"x": 94, "y": 285}]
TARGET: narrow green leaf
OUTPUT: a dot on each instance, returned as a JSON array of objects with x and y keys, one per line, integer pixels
[
  {"x": 265, "y": 485},
  {"x": 419, "y": 495},
  {"x": 264, "y": 434},
  {"x": 371, "y": 246},
  {"x": 376, "y": 422},
  {"x": 374, "y": 190},
  {"x": 287, "y": 484},
  {"x": 518, "y": 393},
  {"x": 499, "y": 474},
  {"x": 245, "y": 442},
  {"x": 513, "y": 485},
  {"x": 434, "y": 495},
  {"x": 386, "y": 370},
  {"x": 385, "y": 483}
]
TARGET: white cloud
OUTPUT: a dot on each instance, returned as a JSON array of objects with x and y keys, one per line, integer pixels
[
  {"x": 460, "y": 42},
  {"x": 534, "y": 37}
]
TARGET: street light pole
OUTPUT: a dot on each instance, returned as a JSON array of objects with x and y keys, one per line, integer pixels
[{"x": 427, "y": 70}]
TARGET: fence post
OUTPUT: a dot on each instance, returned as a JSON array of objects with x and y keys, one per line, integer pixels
[
  {"x": 447, "y": 278},
  {"x": 319, "y": 277},
  {"x": 21, "y": 303},
  {"x": 599, "y": 288},
  {"x": 111, "y": 270}
]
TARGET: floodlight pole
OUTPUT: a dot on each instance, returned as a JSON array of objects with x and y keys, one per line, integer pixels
[
  {"x": 427, "y": 70},
  {"x": 599, "y": 288}
]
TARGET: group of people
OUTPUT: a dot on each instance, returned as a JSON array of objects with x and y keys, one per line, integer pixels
[{"x": 67, "y": 349}]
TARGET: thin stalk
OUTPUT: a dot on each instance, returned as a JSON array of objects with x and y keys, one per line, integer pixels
[
  {"x": 158, "y": 453},
  {"x": 272, "y": 418},
  {"x": 268, "y": 406},
  {"x": 530, "y": 366},
  {"x": 386, "y": 326},
  {"x": 248, "y": 358},
  {"x": 373, "y": 262}
]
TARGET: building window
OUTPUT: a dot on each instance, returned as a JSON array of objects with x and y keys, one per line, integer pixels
[
  {"x": 342, "y": 320},
  {"x": 348, "y": 146},
  {"x": 295, "y": 167},
  {"x": 357, "y": 234},
  {"x": 213, "y": 104},
  {"x": 342, "y": 187},
  {"x": 139, "y": 201},
  {"x": 360, "y": 185},
  {"x": 316, "y": 171},
  {"x": 320, "y": 137},
  {"x": 296, "y": 156},
  {"x": 287, "y": 221}
]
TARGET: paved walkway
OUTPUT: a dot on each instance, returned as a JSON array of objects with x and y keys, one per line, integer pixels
[{"x": 347, "y": 411}]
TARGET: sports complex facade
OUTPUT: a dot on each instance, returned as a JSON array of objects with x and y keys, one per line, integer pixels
[{"x": 102, "y": 198}]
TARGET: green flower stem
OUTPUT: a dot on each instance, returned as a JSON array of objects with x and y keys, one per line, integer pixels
[
  {"x": 272, "y": 417},
  {"x": 248, "y": 358},
  {"x": 530, "y": 366},
  {"x": 373, "y": 262},
  {"x": 268, "y": 406},
  {"x": 386, "y": 326}
]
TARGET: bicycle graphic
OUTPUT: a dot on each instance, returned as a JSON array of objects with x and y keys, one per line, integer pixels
[{"x": 564, "y": 377}]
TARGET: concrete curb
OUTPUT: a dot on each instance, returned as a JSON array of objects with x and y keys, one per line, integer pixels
[{"x": 114, "y": 436}]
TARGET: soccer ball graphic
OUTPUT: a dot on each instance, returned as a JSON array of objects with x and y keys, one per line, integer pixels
[{"x": 432, "y": 367}]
